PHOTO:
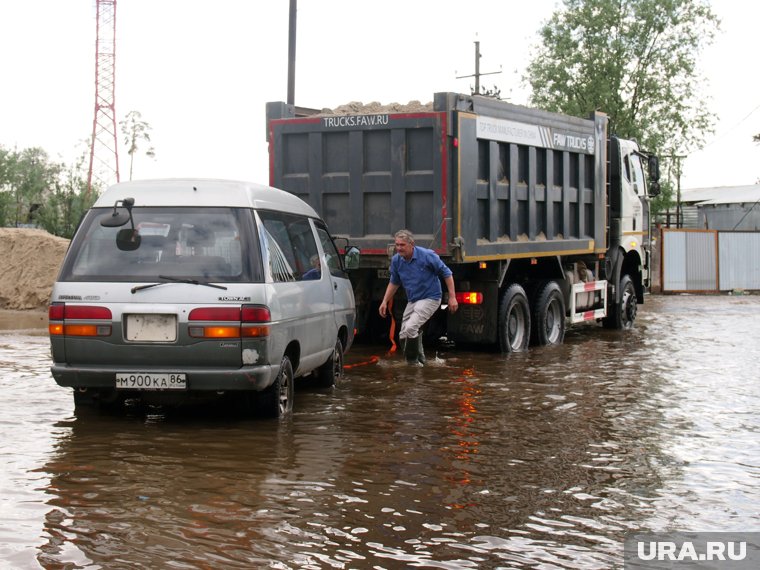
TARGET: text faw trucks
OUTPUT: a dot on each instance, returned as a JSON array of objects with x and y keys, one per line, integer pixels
[{"x": 542, "y": 217}]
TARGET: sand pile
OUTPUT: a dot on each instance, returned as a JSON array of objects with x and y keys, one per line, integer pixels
[{"x": 31, "y": 259}]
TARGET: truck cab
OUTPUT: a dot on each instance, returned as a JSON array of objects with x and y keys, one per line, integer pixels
[{"x": 630, "y": 189}]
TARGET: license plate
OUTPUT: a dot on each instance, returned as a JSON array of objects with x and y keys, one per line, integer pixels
[
  {"x": 145, "y": 381},
  {"x": 151, "y": 328}
]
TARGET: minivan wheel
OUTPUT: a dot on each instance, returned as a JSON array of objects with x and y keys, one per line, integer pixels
[
  {"x": 85, "y": 399},
  {"x": 277, "y": 400},
  {"x": 331, "y": 371},
  {"x": 93, "y": 399}
]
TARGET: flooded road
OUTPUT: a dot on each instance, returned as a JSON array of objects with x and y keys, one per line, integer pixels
[{"x": 545, "y": 459}]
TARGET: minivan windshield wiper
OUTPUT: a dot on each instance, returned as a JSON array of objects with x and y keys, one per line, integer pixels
[{"x": 168, "y": 279}]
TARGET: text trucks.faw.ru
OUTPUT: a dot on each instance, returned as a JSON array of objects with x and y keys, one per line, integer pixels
[{"x": 543, "y": 218}]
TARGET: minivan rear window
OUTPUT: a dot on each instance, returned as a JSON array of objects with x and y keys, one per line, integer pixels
[{"x": 207, "y": 244}]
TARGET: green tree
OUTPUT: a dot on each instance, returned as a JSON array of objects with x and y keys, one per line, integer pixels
[
  {"x": 37, "y": 191},
  {"x": 26, "y": 178},
  {"x": 68, "y": 201},
  {"x": 135, "y": 131},
  {"x": 635, "y": 60},
  {"x": 6, "y": 196}
]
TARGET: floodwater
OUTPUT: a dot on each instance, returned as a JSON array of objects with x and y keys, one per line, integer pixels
[{"x": 545, "y": 459}]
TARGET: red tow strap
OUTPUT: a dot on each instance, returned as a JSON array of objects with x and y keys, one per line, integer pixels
[{"x": 392, "y": 333}]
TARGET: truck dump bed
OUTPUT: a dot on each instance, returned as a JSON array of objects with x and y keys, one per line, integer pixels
[{"x": 472, "y": 177}]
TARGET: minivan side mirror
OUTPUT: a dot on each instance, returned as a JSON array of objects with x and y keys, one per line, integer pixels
[
  {"x": 128, "y": 239},
  {"x": 352, "y": 257},
  {"x": 119, "y": 217}
]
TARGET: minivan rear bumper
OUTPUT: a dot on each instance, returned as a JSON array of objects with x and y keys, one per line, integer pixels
[{"x": 206, "y": 379}]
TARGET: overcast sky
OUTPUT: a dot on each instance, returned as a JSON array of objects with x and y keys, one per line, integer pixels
[{"x": 201, "y": 72}]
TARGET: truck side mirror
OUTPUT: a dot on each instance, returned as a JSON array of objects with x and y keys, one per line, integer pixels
[
  {"x": 654, "y": 169},
  {"x": 654, "y": 175}
]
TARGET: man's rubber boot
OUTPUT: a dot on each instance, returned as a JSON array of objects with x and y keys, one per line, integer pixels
[
  {"x": 420, "y": 351},
  {"x": 412, "y": 349}
]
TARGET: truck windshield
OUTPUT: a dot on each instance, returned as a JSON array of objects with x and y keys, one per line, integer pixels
[{"x": 205, "y": 244}]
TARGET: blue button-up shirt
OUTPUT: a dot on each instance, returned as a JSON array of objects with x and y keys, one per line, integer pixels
[{"x": 420, "y": 275}]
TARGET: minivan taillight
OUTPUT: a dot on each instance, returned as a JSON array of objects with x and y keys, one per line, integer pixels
[
  {"x": 62, "y": 313},
  {"x": 86, "y": 312},
  {"x": 215, "y": 314},
  {"x": 255, "y": 320},
  {"x": 230, "y": 322},
  {"x": 255, "y": 314},
  {"x": 55, "y": 313}
]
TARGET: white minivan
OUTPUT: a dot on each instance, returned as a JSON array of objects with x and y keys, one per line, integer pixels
[{"x": 173, "y": 291}]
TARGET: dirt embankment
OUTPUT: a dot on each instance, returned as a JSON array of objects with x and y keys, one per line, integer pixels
[{"x": 30, "y": 263}]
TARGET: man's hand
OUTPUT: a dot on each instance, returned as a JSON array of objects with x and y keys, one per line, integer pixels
[
  {"x": 452, "y": 300},
  {"x": 390, "y": 291}
]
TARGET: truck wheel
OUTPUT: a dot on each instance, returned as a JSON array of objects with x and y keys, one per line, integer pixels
[
  {"x": 331, "y": 371},
  {"x": 548, "y": 326},
  {"x": 277, "y": 400},
  {"x": 621, "y": 315},
  {"x": 514, "y": 320}
]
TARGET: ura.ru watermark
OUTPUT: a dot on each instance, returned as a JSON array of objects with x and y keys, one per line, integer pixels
[{"x": 718, "y": 550}]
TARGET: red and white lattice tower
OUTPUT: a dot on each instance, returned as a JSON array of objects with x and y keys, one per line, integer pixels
[{"x": 104, "y": 153}]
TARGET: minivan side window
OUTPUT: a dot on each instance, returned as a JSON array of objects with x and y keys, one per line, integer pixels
[
  {"x": 331, "y": 253},
  {"x": 290, "y": 247}
]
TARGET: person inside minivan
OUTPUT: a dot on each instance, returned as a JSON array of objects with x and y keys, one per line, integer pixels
[{"x": 315, "y": 271}]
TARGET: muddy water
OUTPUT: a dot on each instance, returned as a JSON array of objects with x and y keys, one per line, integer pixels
[{"x": 544, "y": 459}]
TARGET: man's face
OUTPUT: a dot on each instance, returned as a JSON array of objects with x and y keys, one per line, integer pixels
[{"x": 404, "y": 249}]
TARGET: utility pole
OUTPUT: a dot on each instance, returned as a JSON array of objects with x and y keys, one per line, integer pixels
[
  {"x": 679, "y": 214},
  {"x": 477, "y": 75},
  {"x": 104, "y": 153},
  {"x": 292, "y": 52}
]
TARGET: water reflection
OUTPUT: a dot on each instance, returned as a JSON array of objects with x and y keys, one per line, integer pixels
[{"x": 476, "y": 461}]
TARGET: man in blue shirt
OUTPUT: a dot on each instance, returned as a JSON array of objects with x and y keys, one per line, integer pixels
[{"x": 419, "y": 271}]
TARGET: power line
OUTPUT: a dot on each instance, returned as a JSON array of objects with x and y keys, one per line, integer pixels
[{"x": 716, "y": 139}]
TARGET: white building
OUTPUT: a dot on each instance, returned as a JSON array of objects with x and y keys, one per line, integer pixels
[{"x": 728, "y": 208}]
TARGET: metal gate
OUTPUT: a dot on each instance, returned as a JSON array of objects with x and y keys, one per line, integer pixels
[{"x": 709, "y": 261}]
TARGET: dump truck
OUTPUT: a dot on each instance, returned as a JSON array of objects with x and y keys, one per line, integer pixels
[{"x": 542, "y": 217}]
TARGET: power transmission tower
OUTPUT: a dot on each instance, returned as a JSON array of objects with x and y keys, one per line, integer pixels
[{"x": 104, "y": 153}]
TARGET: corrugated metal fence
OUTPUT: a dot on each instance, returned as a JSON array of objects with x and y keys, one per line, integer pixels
[{"x": 709, "y": 261}]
